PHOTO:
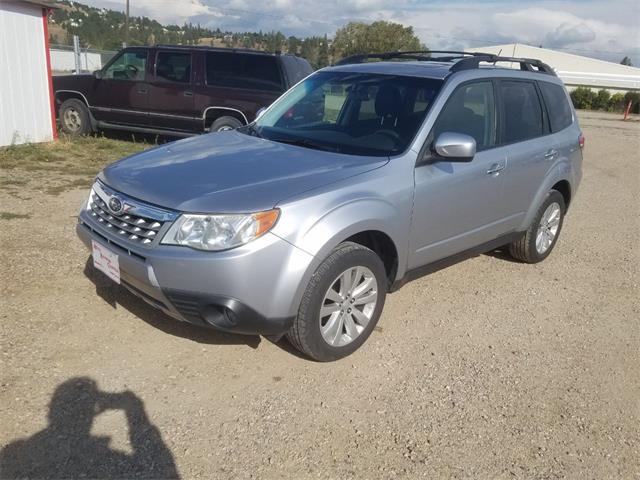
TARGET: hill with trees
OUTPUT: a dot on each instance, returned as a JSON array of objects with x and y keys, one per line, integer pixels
[{"x": 104, "y": 29}]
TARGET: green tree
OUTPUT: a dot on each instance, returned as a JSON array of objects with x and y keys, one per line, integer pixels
[{"x": 380, "y": 36}]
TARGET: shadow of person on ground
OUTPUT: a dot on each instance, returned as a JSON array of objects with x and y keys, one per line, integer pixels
[
  {"x": 115, "y": 295},
  {"x": 66, "y": 448}
]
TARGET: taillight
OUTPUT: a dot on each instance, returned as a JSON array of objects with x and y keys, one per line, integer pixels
[{"x": 581, "y": 140}]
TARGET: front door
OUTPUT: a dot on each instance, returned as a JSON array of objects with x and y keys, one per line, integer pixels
[
  {"x": 458, "y": 205},
  {"x": 171, "y": 92},
  {"x": 121, "y": 95}
]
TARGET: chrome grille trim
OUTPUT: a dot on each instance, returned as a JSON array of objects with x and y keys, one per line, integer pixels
[{"x": 136, "y": 222}]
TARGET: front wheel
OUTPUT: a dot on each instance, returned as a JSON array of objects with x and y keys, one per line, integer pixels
[
  {"x": 74, "y": 117},
  {"x": 538, "y": 241},
  {"x": 342, "y": 304}
]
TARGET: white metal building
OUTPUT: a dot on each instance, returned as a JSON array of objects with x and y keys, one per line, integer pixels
[
  {"x": 574, "y": 70},
  {"x": 26, "y": 90}
]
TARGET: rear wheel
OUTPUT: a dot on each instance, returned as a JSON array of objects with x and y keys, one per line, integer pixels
[
  {"x": 538, "y": 241},
  {"x": 342, "y": 304},
  {"x": 74, "y": 117},
  {"x": 225, "y": 123}
]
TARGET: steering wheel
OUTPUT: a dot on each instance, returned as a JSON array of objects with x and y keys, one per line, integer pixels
[
  {"x": 132, "y": 70},
  {"x": 392, "y": 134}
]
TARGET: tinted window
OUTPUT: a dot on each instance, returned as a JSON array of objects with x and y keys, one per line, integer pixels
[
  {"x": 557, "y": 104},
  {"x": 130, "y": 65},
  {"x": 470, "y": 110},
  {"x": 355, "y": 113},
  {"x": 174, "y": 67},
  {"x": 522, "y": 111},
  {"x": 257, "y": 72}
]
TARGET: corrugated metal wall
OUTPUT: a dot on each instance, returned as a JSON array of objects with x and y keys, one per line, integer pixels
[{"x": 25, "y": 113}]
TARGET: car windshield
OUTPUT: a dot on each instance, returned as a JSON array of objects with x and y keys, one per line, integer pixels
[{"x": 353, "y": 113}]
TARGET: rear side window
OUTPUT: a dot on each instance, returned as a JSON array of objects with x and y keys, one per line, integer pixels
[
  {"x": 522, "y": 112},
  {"x": 174, "y": 67},
  {"x": 555, "y": 98},
  {"x": 470, "y": 110},
  {"x": 256, "y": 72}
]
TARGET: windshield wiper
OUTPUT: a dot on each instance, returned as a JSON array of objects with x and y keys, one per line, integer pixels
[
  {"x": 251, "y": 130},
  {"x": 305, "y": 142}
]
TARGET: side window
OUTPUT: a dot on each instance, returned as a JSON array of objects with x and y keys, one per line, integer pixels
[
  {"x": 174, "y": 67},
  {"x": 555, "y": 98},
  {"x": 470, "y": 110},
  {"x": 256, "y": 72},
  {"x": 522, "y": 117},
  {"x": 130, "y": 65}
]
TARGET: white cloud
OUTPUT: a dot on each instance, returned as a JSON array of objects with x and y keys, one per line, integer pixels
[{"x": 591, "y": 27}]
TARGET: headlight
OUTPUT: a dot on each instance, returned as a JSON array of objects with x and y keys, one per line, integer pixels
[{"x": 219, "y": 232}]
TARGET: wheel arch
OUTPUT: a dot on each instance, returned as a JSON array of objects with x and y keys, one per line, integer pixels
[
  {"x": 211, "y": 114},
  {"x": 558, "y": 179},
  {"x": 63, "y": 95}
]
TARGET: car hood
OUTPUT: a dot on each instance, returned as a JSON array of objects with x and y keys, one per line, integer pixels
[{"x": 229, "y": 172}]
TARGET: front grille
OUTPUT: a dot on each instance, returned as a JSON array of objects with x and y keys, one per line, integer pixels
[{"x": 133, "y": 227}]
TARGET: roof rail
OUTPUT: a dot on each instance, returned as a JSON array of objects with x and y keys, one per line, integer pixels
[
  {"x": 226, "y": 49},
  {"x": 463, "y": 60},
  {"x": 422, "y": 55},
  {"x": 526, "y": 64}
]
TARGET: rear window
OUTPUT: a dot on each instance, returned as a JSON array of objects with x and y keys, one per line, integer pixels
[
  {"x": 522, "y": 111},
  {"x": 236, "y": 70},
  {"x": 555, "y": 98}
]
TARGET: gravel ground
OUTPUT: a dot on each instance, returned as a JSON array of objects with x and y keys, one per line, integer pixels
[{"x": 487, "y": 369}]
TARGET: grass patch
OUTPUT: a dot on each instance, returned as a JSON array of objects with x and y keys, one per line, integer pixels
[
  {"x": 75, "y": 183},
  {"x": 80, "y": 156},
  {"x": 13, "y": 216}
]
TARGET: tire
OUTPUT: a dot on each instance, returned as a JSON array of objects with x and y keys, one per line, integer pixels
[
  {"x": 225, "y": 123},
  {"x": 74, "y": 118},
  {"x": 527, "y": 248},
  {"x": 307, "y": 335}
]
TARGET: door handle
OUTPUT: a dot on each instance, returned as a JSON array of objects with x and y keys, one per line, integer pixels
[
  {"x": 495, "y": 168},
  {"x": 188, "y": 94},
  {"x": 551, "y": 154},
  {"x": 142, "y": 90}
]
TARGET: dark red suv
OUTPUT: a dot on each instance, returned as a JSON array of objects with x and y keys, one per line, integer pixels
[{"x": 176, "y": 90}]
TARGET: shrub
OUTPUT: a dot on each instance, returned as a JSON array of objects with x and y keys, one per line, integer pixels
[
  {"x": 583, "y": 98},
  {"x": 616, "y": 103},
  {"x": 635, "y": 101},
  {"x": 601, "y": 100}
]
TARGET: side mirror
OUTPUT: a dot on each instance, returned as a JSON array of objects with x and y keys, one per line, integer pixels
[
  {"x": 97, "y": 74},
  {"x": 455, "y": 147},
  {"x": 260, "y": 112}
]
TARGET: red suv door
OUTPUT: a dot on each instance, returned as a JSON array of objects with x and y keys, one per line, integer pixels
[
  {"x": 171, "y": 99},
  {"x": 121, "y": 94}
]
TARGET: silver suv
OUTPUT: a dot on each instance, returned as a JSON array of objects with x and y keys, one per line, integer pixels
[{"x": 361, "y": 177}]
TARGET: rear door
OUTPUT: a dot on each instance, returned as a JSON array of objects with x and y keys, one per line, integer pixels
[
  {"x": 121, "y": 95},
  {"x": 458, "y": 205},
  {"x": 238, "y": 84},
  {"x": 526, "y": 135},
  {"x": 171, "y": 95}
]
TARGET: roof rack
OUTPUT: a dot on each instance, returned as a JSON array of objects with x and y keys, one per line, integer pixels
[
  {"x": 422, "y": 55},
  {"x": 463, "y": 60},
  {"x": 526, "y": 64}
]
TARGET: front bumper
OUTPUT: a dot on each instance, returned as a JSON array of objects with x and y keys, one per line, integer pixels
[{"x": 252, "y": 289}]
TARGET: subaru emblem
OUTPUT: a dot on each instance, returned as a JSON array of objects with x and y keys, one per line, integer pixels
[{"x": 115, "y": 205}]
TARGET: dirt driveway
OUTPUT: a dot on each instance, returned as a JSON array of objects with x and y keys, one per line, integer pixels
[{"x": 488, "y": 369}]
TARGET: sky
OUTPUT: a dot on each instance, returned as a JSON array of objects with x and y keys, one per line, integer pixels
[{"x": 603, "y": 29}]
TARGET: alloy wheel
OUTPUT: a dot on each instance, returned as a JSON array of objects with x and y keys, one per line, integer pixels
[
  {"x": 348, "y": 306},
  {"x": 548, "y": 228}
]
